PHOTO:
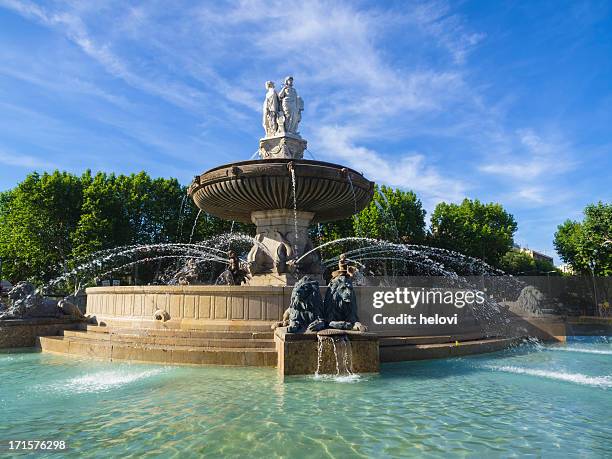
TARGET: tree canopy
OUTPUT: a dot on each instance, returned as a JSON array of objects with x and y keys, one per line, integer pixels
[
  {"x": 587, "y": 245},
  {"x": 37, "y": 219},
  {"x": 479, "y": 230},
  {"x": 394, "y": 215},
  {"x": 50, "y": 221},
  {"x": 516, "y": 262}
]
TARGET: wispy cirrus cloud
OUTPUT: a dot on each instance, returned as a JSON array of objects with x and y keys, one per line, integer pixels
[
  {"x": 403, "y": 91},
  {"x": 531, "y": 166},
  {"x": 334, "y": 48},
  {"x": 28, "y": 161},
  {"x": 409, "y": 171},
  {"x": 532, "y": 159}
]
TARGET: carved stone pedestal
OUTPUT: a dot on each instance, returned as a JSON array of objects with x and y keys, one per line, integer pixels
[
  {"x": 298, "y": 353},
  {"x": 282, "y": 237},
  {"x": 289, "y": 146}
]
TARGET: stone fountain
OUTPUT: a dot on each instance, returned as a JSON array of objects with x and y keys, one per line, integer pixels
[
  {"x": 232, "y": 324},
  {"x": 272, "y": 309},
  {"x": 282, "y": 194}
]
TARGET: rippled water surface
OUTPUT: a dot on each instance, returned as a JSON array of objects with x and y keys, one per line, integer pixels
[{"x": 550, "y": 401}]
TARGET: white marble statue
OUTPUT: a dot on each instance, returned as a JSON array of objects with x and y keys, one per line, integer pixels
[
  {"x": 271, "y": 109},
  {"x": 292, "y": 106},
  {"x": 282, "y": 112}
]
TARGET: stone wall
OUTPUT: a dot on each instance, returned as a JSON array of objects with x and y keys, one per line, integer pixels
[
  {"x": 23, "y": 333},
  {"x": 192, "y": 302}
]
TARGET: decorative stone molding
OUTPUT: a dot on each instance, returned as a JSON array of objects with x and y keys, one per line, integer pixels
[
  {"x": 234, "y": 191},
  {"x": 285, "y": 146},
  {"x": 190, "y": 303},
  {"x": 282, "y": 236}
]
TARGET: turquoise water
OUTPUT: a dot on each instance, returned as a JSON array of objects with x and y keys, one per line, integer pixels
[{"x": 552, "y": 401}]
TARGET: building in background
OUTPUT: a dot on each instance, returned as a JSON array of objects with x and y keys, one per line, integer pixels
[{"x": 538, "y": 256}]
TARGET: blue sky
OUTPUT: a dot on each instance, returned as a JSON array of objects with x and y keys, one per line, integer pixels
[{"x": 501, "y": 101}]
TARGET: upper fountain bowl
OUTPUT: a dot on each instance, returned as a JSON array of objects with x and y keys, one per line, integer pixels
[{"x": 234, "y": 191}]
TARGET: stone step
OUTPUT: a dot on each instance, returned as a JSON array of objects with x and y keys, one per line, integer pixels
[
  {"x": 268, "y": 334},
  {"x": 226, "y": 342},
  {"x": 203, "y": 325},
  {"x": 444, "y": 350},
  {"x": 405, "y": 340},
  {"x": 435, "y": 339},
  {"x": 154, "y": 353}
]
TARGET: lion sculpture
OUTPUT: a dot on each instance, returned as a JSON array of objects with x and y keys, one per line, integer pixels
[
  {"x": 531, "y": 300},
  {"x": 340, "y": 307},
  {"x": 305, "y": 312},
  {"x": 308, "y": 312}
]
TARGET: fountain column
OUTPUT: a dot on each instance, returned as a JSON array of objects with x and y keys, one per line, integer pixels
[{"x": 283, "y": 237}]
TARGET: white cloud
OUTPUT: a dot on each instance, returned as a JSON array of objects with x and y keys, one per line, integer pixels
[
  {"x": 73, "y": 27},
  {"x": 25, "y": 161},
  {"x": 531, "y": 159},
  {"x": 211, "y": 60},
  {"x": 531, "y": 167},
  {"x": 436, "y": 19},
  {"x": 409, "y": 171}
]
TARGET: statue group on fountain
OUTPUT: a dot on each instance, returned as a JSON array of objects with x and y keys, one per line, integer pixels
[{"x": 282, "y": 111}]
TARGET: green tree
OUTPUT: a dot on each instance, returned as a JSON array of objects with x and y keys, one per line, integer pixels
[
  {"x": 127, "y": 210},
  {"x": 392, "y": 214},
  {"x": 520, "y": 263},
  {"x": 515, "y": 262},
  {"x": 479, "y": 230},
  {"x": 49, "y": 222},
  {"x": 36, "y": 220},
  {"x": 331, "y": 231},
  {"x": 587, "y": 245},
  {"x": 545, "y": 268}
]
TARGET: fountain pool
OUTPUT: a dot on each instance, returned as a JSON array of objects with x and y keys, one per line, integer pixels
[{"x": 534, "y": 399}]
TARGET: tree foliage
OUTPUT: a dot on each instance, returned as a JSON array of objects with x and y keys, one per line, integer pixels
[
  {"x": 126, "y": 210},
  {"x": 37, "y": 219},
  {"x": 479, "y": 230},
  {"x": 520, "y": 263},
  {"x": 587, "y": 245},
  {"x": 394, "y": 215},
  {"x": 48, "y": 222}
]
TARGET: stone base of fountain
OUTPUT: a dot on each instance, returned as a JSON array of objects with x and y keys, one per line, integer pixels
[
  {"x": 282, "y": 237},
  {"x": 288, "y": 146},
  {"x": 303, "y": 354},
  {"x": 188, "y": 305},
  {"x": 23, "y": 332}
]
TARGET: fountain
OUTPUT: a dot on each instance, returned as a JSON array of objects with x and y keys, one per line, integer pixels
[
  {"x": 272, "y": 308},
  {"x": 282, "y": 194},
  {"x": 230, "y": 322}
]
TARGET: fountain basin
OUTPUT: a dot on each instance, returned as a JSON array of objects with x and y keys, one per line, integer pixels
[
  {"x": 189, "y": 306},
  {"x": 231, "y": 325},
  {"x": 234, "y": 191}
]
